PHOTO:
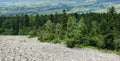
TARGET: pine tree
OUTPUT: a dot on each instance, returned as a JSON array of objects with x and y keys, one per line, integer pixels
[
  {"x": 42, "y": 20},
  {"x": 26, "y": 21},
  {"x": 95, "y": 30},
  {"x": 111, "y": 11},
  {"x": 21, "y": 21},
  {"x": 37, "y": 21},
  {"x": 76, "y": 15},
  {"x": 56, "y": 18},
  {"x": 71, "y": 27},
  {"x": 109, "y": 41},
  {"x": 82, "y": 32},
  {"x": 52, "y": 18},
  {"x": 72, "y": 32},
  {"x": 64, "y": 20},
  {"x": 112, "y": 18},
  {"x": 15, "y": 27},
  {"x": 47, "y": 33},
  {"x": 58, "y": 33}
]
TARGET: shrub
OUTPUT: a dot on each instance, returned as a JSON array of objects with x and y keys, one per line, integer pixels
[
  {"x": 8, "y": 32},
  {"x": 117, "y": 44},
  {"x": 97, "y": 41},
  {"x": 24, "y": 31},
  {"x": 1, "y": 31},
  {"x": 109, "y": 43},
  {"x": 70, "y": 43},
  {"x": 32, "y": 33}
]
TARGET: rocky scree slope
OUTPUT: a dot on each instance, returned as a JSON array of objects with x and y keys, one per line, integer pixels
[{"x": 22, "y": 48}]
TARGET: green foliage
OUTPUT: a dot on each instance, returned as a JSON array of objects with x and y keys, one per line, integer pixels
[
  {"x": 109, "y": 41},
  {"x": 82, "y": 31},
  {"x": 8, "y": 32},
  {"x": 70, "y": 42},
  {"x": 48, "y": 32},
  {"x": 97, "y": 41},
  {"x": 7, "y": 24},
  {"x": 24, "y": 31},
  {"x": 64, "y": 19},
  {"x": 117, "y": 44},
  {"x": 58, "y": 33},
  {"x": 101, "y": 30},
  {"x": 112, "y": 11},
  {"x": 1, "y": 31},
  {"x": 71, "y": 27},
  {"x": 37, "y": 21},
  {"x": 33, "y": 33},
  {"x": 26, "y": 21}
]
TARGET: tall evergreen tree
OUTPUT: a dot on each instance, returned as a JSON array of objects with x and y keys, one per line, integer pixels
[
  {"x": 26, "y": 21},
  {"x": 64, "y": 20},
  {"x": 37, "y": 21}
]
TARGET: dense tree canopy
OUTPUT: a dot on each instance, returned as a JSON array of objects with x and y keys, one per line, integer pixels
[{"x": 101, "y": 30}]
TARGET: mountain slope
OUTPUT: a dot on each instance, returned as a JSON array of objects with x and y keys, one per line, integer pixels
[{"x": 21, "y": 48}]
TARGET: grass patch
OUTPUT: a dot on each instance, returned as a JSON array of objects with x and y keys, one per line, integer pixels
[{"x": 96, "y": 48}]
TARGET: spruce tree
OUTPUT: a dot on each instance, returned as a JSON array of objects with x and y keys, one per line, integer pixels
[
  {"x": 37, "y": 21},
  {"x": 82, "y": 32},
  {"x": 64, "y": 20},
  {"x": 26, "y": 21}
]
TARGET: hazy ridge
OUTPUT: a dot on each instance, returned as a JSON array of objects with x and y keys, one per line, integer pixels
[{"x": 8, "y": 7}]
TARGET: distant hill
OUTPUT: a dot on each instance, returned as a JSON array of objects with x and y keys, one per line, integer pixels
[
  {"x": 107, "y": 0},
  {"x": 8, "y": 7},
  {"x": 57, "y": 0}
]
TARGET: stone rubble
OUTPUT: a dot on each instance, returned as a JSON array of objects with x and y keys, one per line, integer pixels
[{"x": 22, "y": 48}]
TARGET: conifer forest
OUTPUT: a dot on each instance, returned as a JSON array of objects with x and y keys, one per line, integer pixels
[{"x": 101, "y": 30}]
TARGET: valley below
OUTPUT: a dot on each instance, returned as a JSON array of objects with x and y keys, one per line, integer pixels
[{"x": 47, "y": 7}]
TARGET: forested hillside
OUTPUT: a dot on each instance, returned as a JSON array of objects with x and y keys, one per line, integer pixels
[{"x": 100, "y": 30}]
